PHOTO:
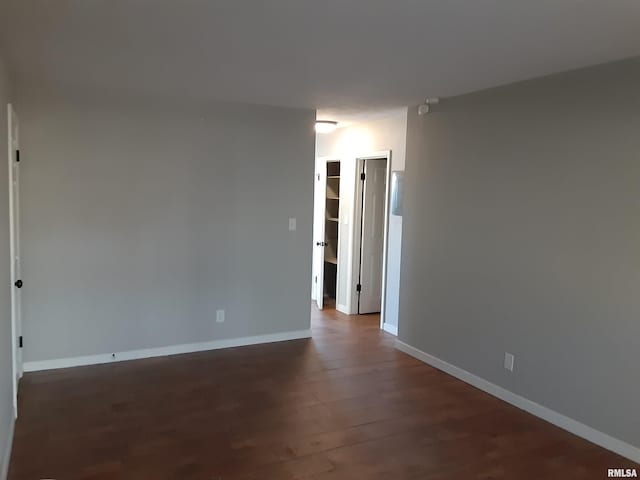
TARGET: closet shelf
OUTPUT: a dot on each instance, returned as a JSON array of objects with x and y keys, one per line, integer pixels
[
  {"x": 331, "y": 260},
  {"x": 332, "y": 219}
]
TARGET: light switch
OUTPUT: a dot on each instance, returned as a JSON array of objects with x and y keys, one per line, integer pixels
[
  {"x": 292, "y": 224},
  {"x": 508, "y": 361}
]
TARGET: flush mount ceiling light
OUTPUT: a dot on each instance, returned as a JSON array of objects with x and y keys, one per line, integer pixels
[{"x": 325, "y": 126}]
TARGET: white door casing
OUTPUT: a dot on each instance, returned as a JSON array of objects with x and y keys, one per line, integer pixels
[{"x": 14, "y": 227}]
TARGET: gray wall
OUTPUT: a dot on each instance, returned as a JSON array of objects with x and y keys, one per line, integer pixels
[
  {"x": 522, "y": 234},
  {"x": 140, "y": 221},
  {"x": 6, "y": 356}
]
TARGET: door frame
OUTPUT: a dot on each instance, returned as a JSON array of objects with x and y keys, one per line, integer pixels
[
  {"x": 355, "y": 267},
  {"x": 16, "y": 361}
]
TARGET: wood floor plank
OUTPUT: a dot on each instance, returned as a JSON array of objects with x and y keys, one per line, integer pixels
[{"x": 343, "y": 405}]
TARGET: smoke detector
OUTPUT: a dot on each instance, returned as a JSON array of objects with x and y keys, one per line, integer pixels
[{"x": 426, "y": 106}]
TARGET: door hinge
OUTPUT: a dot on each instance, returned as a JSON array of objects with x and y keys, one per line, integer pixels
[
  {"x": 358, "y": 288},
  {"x": 17, "y": 155},
  {"x": 316, "y": 279},
  {"x": 20, "y": 341},
  {"x": 362, "y": 176}
]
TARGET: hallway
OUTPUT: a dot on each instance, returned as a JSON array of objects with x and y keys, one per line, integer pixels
[{"x": 343, "y": 405}]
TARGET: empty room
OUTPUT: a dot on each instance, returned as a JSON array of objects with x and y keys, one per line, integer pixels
[{"x": 331, "y": 240}]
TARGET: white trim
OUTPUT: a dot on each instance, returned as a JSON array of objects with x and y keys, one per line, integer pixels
[
  {"x": 356, "y": 225},
  {"x": 6, "y": 457},
  {"x": 580, "y": 429},
  {"x": 163, "y": 351},
  {"x": 385, "y": 246},
  {"x": 14, "y": 252},
  {"x": 392, "y": 329},
  {"x": 343, "y": 309}
]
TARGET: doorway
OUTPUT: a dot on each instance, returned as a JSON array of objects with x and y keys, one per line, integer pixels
[
  {"x": 327, "y": 232},
  {"x": 14, "y": 229},
  {"x": 351, "y": 217}
]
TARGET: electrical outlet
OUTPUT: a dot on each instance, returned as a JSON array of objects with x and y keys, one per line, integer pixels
[
  {"x": 219, "y": 316},
  {"x": 292, "y": 224},
  {"x": 508, "y": 361}
]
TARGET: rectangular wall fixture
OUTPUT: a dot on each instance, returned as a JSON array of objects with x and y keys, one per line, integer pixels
[{"x": 397, "y": 179}]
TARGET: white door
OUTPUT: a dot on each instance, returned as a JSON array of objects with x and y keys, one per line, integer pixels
[
  {"x": 14, "y": 226},
  {"x": 372, "y": 239},
  {"x": 320, "y": 192}
]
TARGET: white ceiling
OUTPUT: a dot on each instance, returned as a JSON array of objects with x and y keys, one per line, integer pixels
[{"x": 350, "y": 55}]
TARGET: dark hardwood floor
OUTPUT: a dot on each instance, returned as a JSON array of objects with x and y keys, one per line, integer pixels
[{"x": 344, "y": 405}]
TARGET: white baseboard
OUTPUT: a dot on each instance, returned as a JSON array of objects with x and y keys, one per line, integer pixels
[
  {"x": 599, "y": 438},
  {"x": 6, "y": 457},
  {"x": 163, "y": 351},
  {"x": 392, "y": 329},
  {"x": 343, "y": 309}
]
